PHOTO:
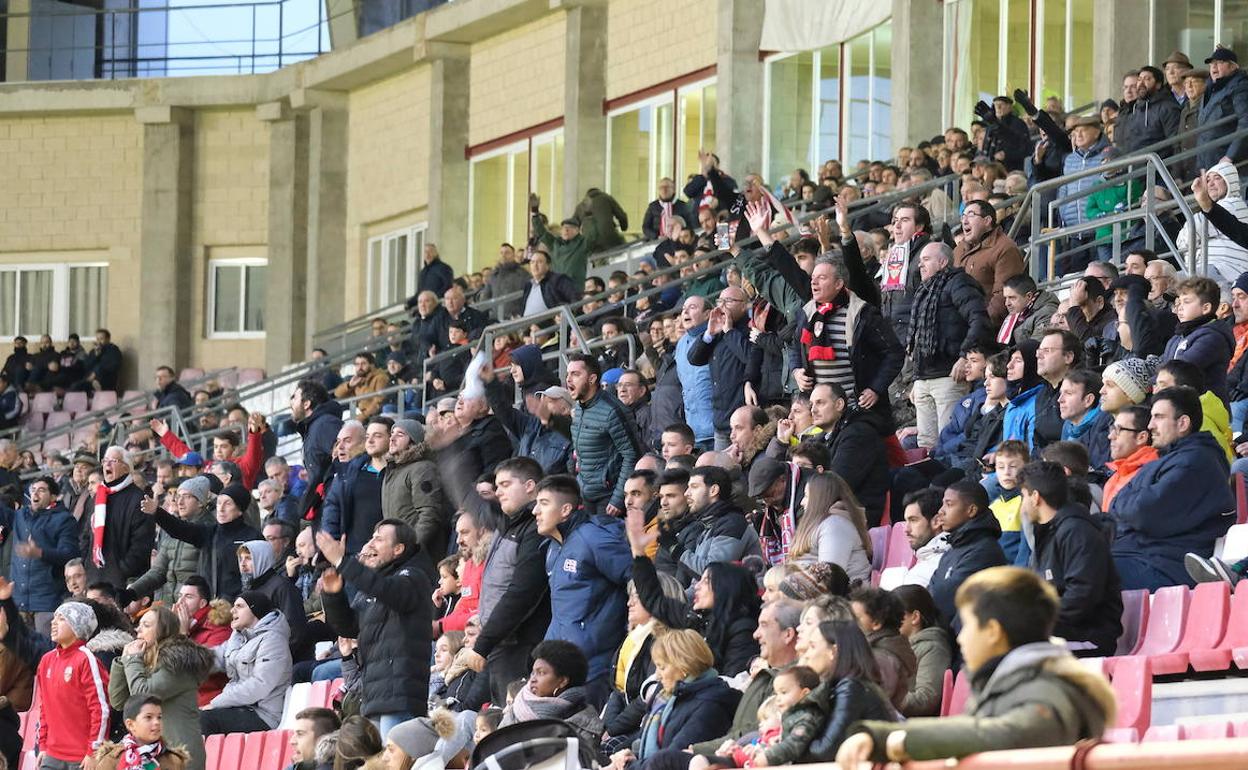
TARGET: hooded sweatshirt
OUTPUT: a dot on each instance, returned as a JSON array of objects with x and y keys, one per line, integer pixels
[
  {"x": 1225, "y": 256},
  {"x": 269, "y": 578}
]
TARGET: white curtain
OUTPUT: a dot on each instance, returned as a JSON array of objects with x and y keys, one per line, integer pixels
[{"x": 804, "y": 25}]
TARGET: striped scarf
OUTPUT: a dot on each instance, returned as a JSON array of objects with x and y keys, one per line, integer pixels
[
  {"x": 817, "y": 333},
  {"x": 136, "y": 756},
  {"x": 921, "y": 340},
  {"x": 98, "y": 516}
]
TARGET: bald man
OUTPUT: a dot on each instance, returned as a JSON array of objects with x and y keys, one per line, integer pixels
[{"x": 735, "y": 363}]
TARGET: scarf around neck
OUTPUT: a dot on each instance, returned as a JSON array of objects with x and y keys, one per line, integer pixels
[
  {"x": 1184, "y": 328},
  {"x": 137, "y": 756},
  {"x": 817, "y": 333},
  {"x": 921, "y": 338},
  {"x": 99, "y": 514}
]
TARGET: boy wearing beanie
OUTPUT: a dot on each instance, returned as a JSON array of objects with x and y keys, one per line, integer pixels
[{"x": 73, "y": 710}]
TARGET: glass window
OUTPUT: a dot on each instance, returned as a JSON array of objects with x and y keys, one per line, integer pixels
[
  {"x": 881, "y": 91},
  {"x": 26, "y": 302},
  {"x": 490, "y": 206},
  {"x": 237, "y": 294},
  {"x": 546, "y": 173},
  {"x": 88, "y": 299},
  {"x": 1187, "y": 26},
  {"x": 1017, "y": 49},
  {"x": 393, "y": 270},
  {"x": 641, "y": 150},
  {"x": 53, "y": 299},
  {"x": 858, "y": 61},
  {"x": 697, "y": 129},
  {"x": 499, "y": 199},
  {"x": 973, "y": 42},
  {"x": 829, "y": 104},
  {"x": 789, "y": 114}
]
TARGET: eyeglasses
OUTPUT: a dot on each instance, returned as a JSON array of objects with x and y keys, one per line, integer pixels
[
  {"x": 728, "y": 301},
  {"x": 1116, "y": 429}
]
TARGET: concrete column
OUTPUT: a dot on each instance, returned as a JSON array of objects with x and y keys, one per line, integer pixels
[
  {"x": 448, "y": 166},
  {"x": 326, "y": 212},
  {"x": 1120, "y": 35},
  {"x": 739, "y": 88},
  {"x": 584, "y": 90},
  {"x": 285, "y": 324},
  {"x": 918, "y": 42},
  {"x": 165, "y": 320},
  {"x": 17, "y": 43}
]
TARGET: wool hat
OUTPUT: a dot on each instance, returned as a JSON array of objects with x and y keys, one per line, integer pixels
[
  {"x": 258, "y": 602},
  {"x": 1241, "y": 282},
  {"x": 80, "y": 617},
  {"x": 461, "y": 739},
  {"x": 240, "y": 496},
  {"x": 412, "y": 428},
  {"x": 1177, "y": 57},
  {"x": 214, "y": 482},
  {"x": 1133, "y": 375},
  {"x": 199, "y": 486},
  {"x": 416, "y": 737},
  {"x": 814, "y": 580}
]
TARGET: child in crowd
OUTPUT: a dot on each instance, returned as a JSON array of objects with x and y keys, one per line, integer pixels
[
  {"x": 447, "y": 595},
  {"x": 801, "y": 717},
  {"x": 444, "y": 651},
  {"x": 73, "y": 710},
  {"x": 1010, "y": 459},
  {"x": 769, "y": 728},
  {"x": 487, "y": 722},
  {"x": 142, "y": 747}
]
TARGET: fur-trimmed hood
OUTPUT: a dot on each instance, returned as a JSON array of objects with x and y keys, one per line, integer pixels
[
  {"x": 113, "y": 751},
  {"x": 182, "y": 656},
  {"x": 109, "y": 640},
  {"x": 219, "y": 612},
  {"x": 762, "y": 437},
  {"x": 418, "y": 451}
]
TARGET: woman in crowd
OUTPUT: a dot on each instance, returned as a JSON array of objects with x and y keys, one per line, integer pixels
[
  {"x": 850, "y": 691},
  {"x": 818, "y": 611},
  {"x": 931, "y": 649},
  {"x": 879, "y": 616},
  {"x": 441, "y": 740},
  {"x": 556, "y": 690},
  {"x": 358, "y": 743},
  {"x": 163, "y": 662},
  {"x": 833, "y": 528}
]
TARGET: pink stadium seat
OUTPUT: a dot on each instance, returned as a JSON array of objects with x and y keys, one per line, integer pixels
[
  {"x": 212, "y": 751},
  {"x": 255, "y": 747},
  {"x": 1240, "y": 727},
  {"x": 190, "y": 373},
  {"x": 1112, "y": 735},
  {"x": 1133, "y": 688},
  {"x": 25, "y": 402},
  {"x": 321, "y": 696},
  {"x": 280, "y": 752},
  {"x": 85, "y": 434},
  {"x": 899, "y": 552},
  {"x": 75, "y": 401},
  {"x": 228, "y": 378},
  {"x": 232, "y": 751},
  {"x": 56, "y": 444},
  {"x": 1218, "y": 657},
  {"x": 104, "y": 399},
  {"x": 250, "y": 375},
  {"x": 57, "y": 419},
  {"x": 27, "y": 762},
  {"x": 1206, "y": 622},
  {"x": 1162, "y": 733},
  {"x": 946, "y": 693},
  {"x": 43, "y": 402},
  {"x": 960, "y": 695},
  {"x": 879, "y": 546},
  {"x": 1241, "y": 498},
  {"x": 1134, "y": 619},
  {"x": 1207, "y": 731},
  {"x": 1166, "y": 618},
  {"x": 129, "y": 394}
]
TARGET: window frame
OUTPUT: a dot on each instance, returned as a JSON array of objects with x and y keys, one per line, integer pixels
[
  {"x": 210, "y": 302},
  {"x": 60, "y": 295},
  {"x": 530, "y": 140},
  {"x": 412, "y": 256}
]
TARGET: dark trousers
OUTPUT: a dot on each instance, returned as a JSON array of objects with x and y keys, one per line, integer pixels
[
  {"x": 505, "y": 665},
  {"x": 235, "y": 719}
]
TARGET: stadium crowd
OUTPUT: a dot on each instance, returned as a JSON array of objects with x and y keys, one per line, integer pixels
[{"x": 667, "y": 549}]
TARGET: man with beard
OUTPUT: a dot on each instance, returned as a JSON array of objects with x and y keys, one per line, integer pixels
[
  {"x": 747, "y": 435},
  {"x": 726, "y": 536},
  {"x": 604, "y": 437}
]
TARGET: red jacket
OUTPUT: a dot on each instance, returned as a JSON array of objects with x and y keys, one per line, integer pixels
[
  {"x": 210, "y": 627},
  {"x": 250, "y": 463},
  {"x": 469, "y": 596},
  {"x": 73, "y": 706}
]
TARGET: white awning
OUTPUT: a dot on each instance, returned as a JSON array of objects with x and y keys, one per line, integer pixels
[{"x": 804, "y": 25}]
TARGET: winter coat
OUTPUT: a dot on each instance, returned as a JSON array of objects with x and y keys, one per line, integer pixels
[
  {"x": 1225, "y": 97},
  {"x": 1036, "y": 320},
  {"x": 479, "y": 450},
  {"x": 515, "y": 592},
  {"x": 257, "y": 662},
  {"x": 896, "y": 304},
  {"x": 376, "y": 380},
  {"x": 961, "y": 323},
  {"x": 991, "y": 262},
  {"x": 174, "y": 757},
  {"x": 129, "y": 535},
  {"x": 507, "y": 278},
  {"x": 934, "y": 656},
  {"x": 1225, "y": 255},
  {"x": 73, "y": 714},
  {"x": 1093, "y": 433},
  {"x": 973, "y": 547},
  {"x": 557, "y": 289},
  {"x": 437, "y": 277},
  {"x": 745, "y": 719},
  {"x": 1073, "y": 211},
  {"x": 667, "y": 405},
  {"x": 569, "y": 257},
  {"x": 175, "y": 561},
  {"x": 695, "y": 382},
  {"x": 952, "y": 442},
  {"x": 1209, "y": 347},
  {"x": 836, "y": 541},
  {"x": 1191, "y": 476},
  {"x": 598, "y": 213},
  {"x": 897, "y": 663},
  {"x": 729, "y": 354},
  {"x": 180, "y": 668},
  {"x": 411, "y": 490},
  {"x": 589, "y": 570},
  {"x": 1072, "y": 553},
  {"x": 1036, "y": 695},
  {"x": 338, "y": 511},
  {"x": 550, "y": 446},
  {"x": 724, "y": 536},
  {"x": 856, "y": 453},
  {"x": 39, "y": 584},
  {"x": 654, "y": 217},
  {"x": 268, "y": 576},
  {"x": 605, "y": 439},
  {"x": 847, "y": 702},
  {"x": 319, "y": 432},
  {"x": 1149, "y": 120},
  {"x": 1019, "y": 423},
  {"x": 218, "y": 549},
  {"x": 699, "y": 709},
  {"x": 393, "y": 630}
]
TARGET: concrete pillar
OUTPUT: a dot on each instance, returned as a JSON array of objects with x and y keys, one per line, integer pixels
[
  {"x": 918, "y": 43},
  {"x": 165, "y": 320},
  {"x": 739, "y": 128},
  {"x": 326, "y": 213},
  {"x": 448, "y": 166},
  {"x": 285, "y": 324},
  {"x": 584, "y": 90},
  {"x": 1120, "y": 35},
  {"x": 17, "y": 41}
]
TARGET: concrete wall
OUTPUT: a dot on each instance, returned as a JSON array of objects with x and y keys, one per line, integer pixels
[
  {"x": 650, "y": 41},
  {"x": 515, "y": 80}
]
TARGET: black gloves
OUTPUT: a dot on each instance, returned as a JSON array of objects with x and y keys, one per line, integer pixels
[{"x": 1025, "y": 102}]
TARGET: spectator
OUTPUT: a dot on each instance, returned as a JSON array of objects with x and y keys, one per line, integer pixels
[
  {"x": 724, "y": 346},
  {"x": 508, "y": 277},
  {"x": 988, "y": 255},
  {"x": 541, "y": 432},
  {"x": 430, "y": 323},
  {"x": 473, "y": 320},
  {"x": 262, "y": 572},
  {"x": 357, "y": 744},
  {"x": 217, "y": 541},
  {"x": 367, "y": 379},
  {"x": 1006, "y": 138},
  {"x": 1130, "y": 447},
  {"x": 1216, "y": 420},
  {"x": 10, "y": 403},
  {"x": 695, "y": 380},
  {"x": 604, "y": 438},
  {"x": 1227, "y": 259},
  {"x": 911, "y": 229},
  {"x": 556, "y": 690},
  {"x": 256, "y": 658},
  {"x": 1202, "y": 338},
  {"x": 161, "y": 662},
  {"x": 15, "y": 364},
  {"x": 473, "y": 538},
  {"x": 392, "y": 627},
  {"x": 546, "y": 289},
  {"x": 411, "y": 490},
  {"x": 1078, "y": 404},
  {"x": 436, "y": 276},
  {"x": 657, "y": 222},
  {"x": 318, "y": 421},
  {"x": 1008, "y": 615},
  {"x": 44, "y": 537},
  {"x": 879, "y": 615},
  {"x": 973, "y": 535},
  {"x": 73, "y": 715},
  {"x": 103, "y": 363},
  {"x": 832, "y": 528},
  {"x": 1072, "y": 554},
  {"x": 1191, "y": 475},
  {"x": 205, "y": 621},
  {"x": 949, "y": 318},
  {"x": 569, "y": 250},
  {"x": 726, "y": 535},
  {"x": 1226, "y": 95},
  {"x": 177, "y": 560},
  {"x": 1154, "y": 115},
  {"x": 920, "y": 625},
  {"x": 169, "y": 392},
  {"x": 598, "y": 213},
  {"x": 310, "y": 725},
  {"x": 119, "y": 538},
  {"x": 925, "y": 534},
  {"x": 630, "y": 389},
  {"x": 480, "y": 444},
  {"x": 143, "y": 719}
]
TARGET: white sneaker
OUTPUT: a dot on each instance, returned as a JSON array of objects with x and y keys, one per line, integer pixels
[{"x": 1208, "y": 569}]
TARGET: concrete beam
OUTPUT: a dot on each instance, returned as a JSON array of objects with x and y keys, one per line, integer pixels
[
  {"x": 326, "y": 221},
  {"x": 165, "y": 322},
  {"x": 448, "y": 168},
  {"x": 17, "y": 41},
  {"x": 480, "y": 19},
  {"x": 585, "y": 88},
  {"x": 286, "y": 290},
  {"x": 739, "y": 132},
  {"x": 1120, "y": 29},
  {"x": 918, "y": 42}
]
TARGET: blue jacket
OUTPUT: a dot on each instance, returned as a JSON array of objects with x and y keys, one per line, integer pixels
[
  {"x": 1181, "y": 503},
  {"x": 319, "y": 431},
  {"x": 696, "y": 380},
  {"x": 1074, "y": 212},
  {"x": 39, "y": 584},
  {"x": 1228, "y": 96},
  {"x": 1208, "y": 346},
  {"x": 1093, "y": 433},
  {"x": 699, "y": 710},
  {"x": 1020, "y": 416},
  {"x": 589, "y": 573},
  {"x": 550, "y": 447},
  {"x": 339, "y": 509},
  {"x": 949, "y": 446},
  {"x": 729, "y": 355}
]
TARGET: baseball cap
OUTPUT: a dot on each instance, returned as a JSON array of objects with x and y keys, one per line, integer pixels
[
  {"x": 193, "y": 459},
  {"x": 561, "y": 393},
  {"x": 1222, "y": 54}
]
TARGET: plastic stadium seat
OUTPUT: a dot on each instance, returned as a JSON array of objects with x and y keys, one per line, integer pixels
[
  {"x": 1207, "y": 730},
  {"x": 75, "y": 401},
  {"x": 876, "y": 577},
  {"x": 1241, "y": 498},
  {"x": 1218, "y": 657},
  {"x": 322, "y": 694},
  {"x": 27, "y": 761},
  {"x": 212, "y": 751},
  {"x": 892, "y": 577},
  {"x": 1206, "y": 622},
  {"x": 255, "y": 748},
  {"x": 130, "y": 394},
  {"x": 1235, "y": 544},
  {"x": 1112, "y": 735},
  {"x": 1133, "y": 689},
  {"x": 24, "y": 400},
  {"x": 85, "y": 434},
  {"x": 56, "y": 444},
  {"x": 959, "y": 695},
  {"x": 1134, "y": 619},
  {"x": 899, "y": 552},
  {"x": 232, "y": 751},
  {"x": 1166, "y": 619},
  {"x": 297, "y": 699},
  {"x": 228, "y": 378},
  {"x": 278, "y": 751},
  {"x": 104, "y": 399},
  {"x": 43, "y": 402},
  {"x": 57, "y": 419},
  {"x": 879, "y": 546},
  {"x": 190, "y": 373},
  {"x": 946, "y": 693},
  {"x": 1162, "y": 733},
  {"x": 250, "y": 375},
  {"x": 1240, "y": 726}
]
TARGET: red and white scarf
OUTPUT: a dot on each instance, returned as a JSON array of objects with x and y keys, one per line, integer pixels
[
  {"x": 99, "y": 514},
  {"x": 777, "y": 206},
  {"x": 137, "y": 756},
  {"x": 667, "y": 209}
]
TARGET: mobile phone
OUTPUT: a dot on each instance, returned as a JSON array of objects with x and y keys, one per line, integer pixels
[{"x": 721, "y": 236}]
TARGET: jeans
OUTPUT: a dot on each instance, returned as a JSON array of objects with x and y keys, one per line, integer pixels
[
  {"x": 386, "y": 722},
  {"x": 1240, "y": 465},
  {"x": 722, "y": 440},
  {"x": 1239, "y": 413},
  {"x": 327, "y": 671},
  {"x": 235, "y": 719},
  {"x": 1139, "y": 571},
  {"x": 934, "y": 400}
]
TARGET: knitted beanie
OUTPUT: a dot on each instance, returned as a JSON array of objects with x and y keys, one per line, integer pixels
[
  {"x": 1133, "y": 375},
  {"x": 416, "y": 737},
  {"x": 80, "y": 617},
  {"x": 258, "y": 602},
  {"x": 412, "y": 428}
]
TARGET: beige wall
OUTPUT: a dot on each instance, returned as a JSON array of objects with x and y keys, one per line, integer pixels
[
  {"x": 650, "y": 41},
  {"x": 516, "y": 79}
]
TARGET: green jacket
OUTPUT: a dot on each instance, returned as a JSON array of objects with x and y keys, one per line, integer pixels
[
  {"x": 180, "y": 668},
  {"x": 411, "y": 490},
  {"x": 599, "y": 213},
  {"x": 1038, "y": 695},
  {"x": 931, "y": 648},
  {"x": 799, "y": 726},
  {"x": 175, "y": 561},
  {"x": 568, "y": 257},
  {"x": 1102, "y": 203},
  {"x": 745, "y": 720}
]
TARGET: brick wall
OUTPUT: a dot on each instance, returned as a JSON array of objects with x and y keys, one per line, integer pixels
[
  {"x": 516, "y": 79},
  {"x": 650, "y": 41}
]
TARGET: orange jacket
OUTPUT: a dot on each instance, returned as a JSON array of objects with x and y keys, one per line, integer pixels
[{"x": 1124, "y": 469}]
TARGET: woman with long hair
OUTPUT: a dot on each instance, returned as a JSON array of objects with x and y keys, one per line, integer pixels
[
  {"x": 833, "y": 528},
  {"x": 359, "y": 741},
  {"x": 850, "y": 691},
  {"x": 161, "y": 661},
  {"x": 920, "y": 624}
]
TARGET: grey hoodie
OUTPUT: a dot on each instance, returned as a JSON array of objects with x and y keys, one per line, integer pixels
[
  {"x": 270, "y": 578},
  {"x": 257, "y": 661}
]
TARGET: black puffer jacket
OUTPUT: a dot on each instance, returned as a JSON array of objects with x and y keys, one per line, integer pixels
[
  {"x": 961, "y": 323},
  {"x": 319, "y": 431},
  {"x": 973, "y": 547},
  {"x": 218, "y": 549},
  {"x": 731, "y": 357},
  {"x": 129, "y": 535},
  {"x": 393, "y": 632},
  {"x": 1073, "y": 554}
]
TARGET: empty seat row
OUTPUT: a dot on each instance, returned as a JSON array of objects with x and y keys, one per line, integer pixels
[
  {"x": 1179, "y": 628},
  {"x": 269, "y": 750},
  {"x": 1201, "y": 730}
]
